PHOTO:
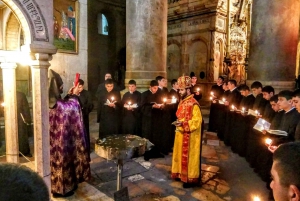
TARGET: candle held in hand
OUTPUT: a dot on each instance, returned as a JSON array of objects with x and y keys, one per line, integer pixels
[
  {"x": 256, "y": 198},
  {"x": 232, "y": 107},
  {"x": 198, "y": 89},
  {"x": 165, "y": 100},
  {"x": 268, "y": 141},
  {"x": 112, "y": 98}
]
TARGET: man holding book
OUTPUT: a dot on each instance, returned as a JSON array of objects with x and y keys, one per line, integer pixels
[
  {"x": 108, "y": 111},
  {"x": 186, "y": 164}
]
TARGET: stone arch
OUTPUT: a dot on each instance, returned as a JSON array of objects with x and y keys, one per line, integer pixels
[
  {"x": 173, "y": 41},
  {"x": 173, "y": 59},
  {"x": 31, "y": 20},
  {"x": 12, "y": 33},
  {"x": 198, "y": 57},
  {"x": 21, "y": 18}
]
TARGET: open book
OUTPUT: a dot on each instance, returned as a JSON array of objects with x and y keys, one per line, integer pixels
[
  {"x": 264, "y": 125},
  {"x": 253, "y": 113},
  {"x": 278, "y": 132},
  {"x": 261, "y": 125},
  {"x": 131, "y": 106},
  {"x": 221, "y": 102},
  {"x": 109, "y": 102}
]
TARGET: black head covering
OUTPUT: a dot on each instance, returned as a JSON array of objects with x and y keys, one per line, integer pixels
[{"x": 55, "y": 83}]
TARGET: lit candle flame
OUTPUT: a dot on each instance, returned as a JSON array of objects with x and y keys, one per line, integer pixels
[
  {"x": 165, "y": 100},
  {"x": 224, "y": 99},
  {"x": 232, "y": 107},
  {"x": 112, "y": 98},
  {"x": 268, "y": 141},
  {"x": 256, "y": 198},
  {"x": 212, "y": 93},
  {"x": 129, "y": 103},
  {"x": 210, "y": 98},
  {"x": 173, "y": 97},
  {"x": 198, "y": 89},
  {"x": 2, "y": 104}
]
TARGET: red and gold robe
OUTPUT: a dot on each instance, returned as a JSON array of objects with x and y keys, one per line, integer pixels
[{"x": 187, "y": 145}]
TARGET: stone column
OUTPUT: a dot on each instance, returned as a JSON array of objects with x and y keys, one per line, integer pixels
[
  {"x": 39, "y": 68},
  {"x": 146, "y": 41},
  {"x": 10, "y": 112},
  {"x": 273, "y": 43}
]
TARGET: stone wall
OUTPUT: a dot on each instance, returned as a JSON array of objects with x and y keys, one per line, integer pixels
[
  {"x": 196, "y": 40},
  {"x": 106, "y": 52}
]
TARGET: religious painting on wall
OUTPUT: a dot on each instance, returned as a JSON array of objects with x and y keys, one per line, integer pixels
[{"x": 65, "y": 27}]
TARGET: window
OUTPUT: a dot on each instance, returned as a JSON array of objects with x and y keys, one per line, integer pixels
[{"x": 102, "y": 24}]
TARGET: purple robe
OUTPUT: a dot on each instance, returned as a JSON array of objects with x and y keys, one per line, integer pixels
[{"x": 69, "y": 156}]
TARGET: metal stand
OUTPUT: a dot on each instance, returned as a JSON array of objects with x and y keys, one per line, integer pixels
[{"x": 119, "y": 177}]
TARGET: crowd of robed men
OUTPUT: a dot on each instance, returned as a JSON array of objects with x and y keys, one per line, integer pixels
[
  {"x": 230, "y": 119},
  {"x": 150, "y": 115}
]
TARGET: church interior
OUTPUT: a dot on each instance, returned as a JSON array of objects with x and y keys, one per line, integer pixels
[{"x": 244, "y": 40}]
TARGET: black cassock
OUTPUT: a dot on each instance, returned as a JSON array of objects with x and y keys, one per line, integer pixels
[
  {"x": 240, "y": 127},
  {"x": 234, "y": 98},
  {"x": 108, "y": 117},
  {"x": 260, "y": 103},
  {"x": 131, "y": 123},
  {"x": 173, "y": 109},
  {"x": 154, "y": 126},
  {"x": 253, "y": 135},
  {"x": 87, "y": 106},
  {"x": 214, "y": 117},
  {"x": 265, "y": 157},
  {"x": 196, "y": 88},
  {"x": 269, "y": 113},
  {"x": 24, "y": 120},
  {"x": 222, "y": 116}
]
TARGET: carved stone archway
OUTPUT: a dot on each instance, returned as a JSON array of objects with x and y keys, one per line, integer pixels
[{"x": 37, "y": 45}]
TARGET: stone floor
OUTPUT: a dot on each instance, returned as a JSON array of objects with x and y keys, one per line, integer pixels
[{"x": 225, "y": 176}]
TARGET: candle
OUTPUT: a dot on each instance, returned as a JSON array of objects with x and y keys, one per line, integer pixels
[
  {"x": 256, "y": 112},
  {"x": 268, "y": 141},
  {"x": 173, "y": 97},
  {"x": 212, "y": 93},
  {"x": 256, "y": 198},
  {"x": 165, "y": 100},
  {"x": 224, "y": 99},
  {"x": 243, "y": 110},
  {"x": 198, "y": 89},
  {"x": 129, "y": 103},
  {"x": 232, "y": 107},
  {"x": 210, "y": 98},
  {"x": 2, "y": 104},
  {"x": 112, "y": 98}
]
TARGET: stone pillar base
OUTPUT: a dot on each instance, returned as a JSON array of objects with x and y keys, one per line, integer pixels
[{"x": 277, "y": 85}]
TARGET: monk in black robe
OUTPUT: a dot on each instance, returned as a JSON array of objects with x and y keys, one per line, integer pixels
[
  {"x": 173, "y": 95},
  {"x": 240, "y": 125},
  {"x": 152, "y": 126},
  {"x": 109, "y": 110},
  {"x": 222, "y": 112},
  {"x": 196, "y": 90},
  {"x": 24, "y": 122},
  {"x": 232, "y": 102},
  {"x": 131, "y": 103},
  {"x": 87, "y": 106},
  {"x": 216, "y": 93},
  {"x": 264, "y": 159}
]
